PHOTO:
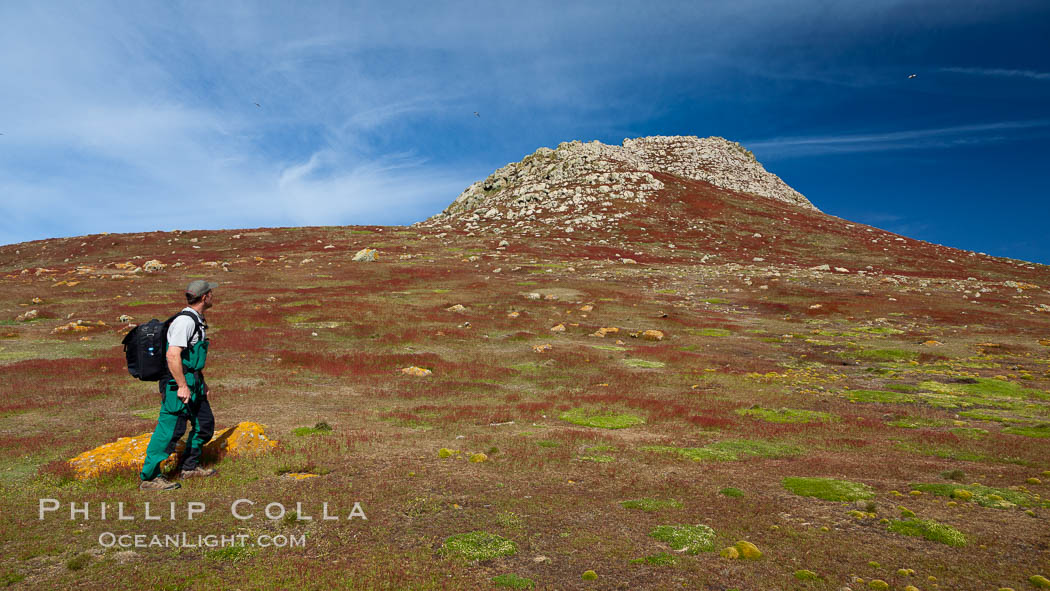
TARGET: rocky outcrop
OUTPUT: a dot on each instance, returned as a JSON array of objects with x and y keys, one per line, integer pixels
[{"x": 584, "y": 185}]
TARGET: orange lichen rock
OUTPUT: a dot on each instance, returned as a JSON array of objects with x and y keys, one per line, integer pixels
[
  {"x": 245, "y": 438},
  {"x": 558, "y": 328},
  {"x": 78, "y": 326},
  {"x": 932, "y": 343},
  {"x": 601, "y": 332},
  {"x": 542, "y": 348},
  {"x": 416, "y": 371},
  {"x": 653, "y": 335}
]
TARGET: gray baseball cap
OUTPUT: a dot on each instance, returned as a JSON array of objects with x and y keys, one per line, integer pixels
[{"x": 199, "y": 287}]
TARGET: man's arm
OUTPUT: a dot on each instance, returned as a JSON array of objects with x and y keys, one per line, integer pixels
[{"x": 174, "y": 359}]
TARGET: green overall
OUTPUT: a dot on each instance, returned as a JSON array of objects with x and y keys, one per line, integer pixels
[{"x": 172, "y": 410}]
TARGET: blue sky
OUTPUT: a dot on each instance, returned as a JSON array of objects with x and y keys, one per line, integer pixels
[{"x": 142, "y": 115}]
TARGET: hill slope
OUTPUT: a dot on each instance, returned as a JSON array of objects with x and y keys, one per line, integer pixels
[{"x": 620, "y": 380}]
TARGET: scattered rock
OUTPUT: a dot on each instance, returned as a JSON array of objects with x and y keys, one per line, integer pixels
[
  {"x": 365, "y": 255},
  {"x": 416, "y": 371},
  {"x": 558, "y": 328},
  {"x": 153, "y": 266},
  {"x": 124, "y": 319},
  {"x": 30, "y": 315},
  {"x": 456, "y": 308},
  {"x": 601, "y": 332},
  {"x": 653, "y": 335},
  {"x": 824, "y": 267},
  {"x": 542, "y": 348}
]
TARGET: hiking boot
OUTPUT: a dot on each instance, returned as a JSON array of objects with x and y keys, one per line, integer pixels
[
  {"x": 159, "y": 483},
  {"x": 198, "y": 471}
]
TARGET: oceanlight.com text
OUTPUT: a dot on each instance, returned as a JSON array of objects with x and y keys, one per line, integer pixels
[{"x": 185, "y": 540}]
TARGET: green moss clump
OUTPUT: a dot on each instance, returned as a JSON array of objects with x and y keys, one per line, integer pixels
[
  {"x": 985, "y": 496},
  {"x": 513, "y": 581},
  {"x": 731, "y": 450},
  {"x": 731, "y": 492},
  {"x": 807, "y": 575},
  {"x": 1039, "y": 581},
  {"x": 650, "y": 504},
  {"x": 477, "y": 545},
  {"x": 786, "y": 415},
  {"x": 589, "y": 575},
  {"x": 929, "y": 529},
  {"x": 321, "y": 428},
  {"x": 579, "y": 416},
  {"x": 1041, "y": 430},
  {"x": 709, "y": 332},
  {"x": 548, "y": 444},
  {"x": 828, "y": 489},
  {"x": 691, "y": 539}
]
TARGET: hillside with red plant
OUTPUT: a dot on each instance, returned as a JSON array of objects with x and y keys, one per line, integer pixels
[{"x": 699, "y": 360}]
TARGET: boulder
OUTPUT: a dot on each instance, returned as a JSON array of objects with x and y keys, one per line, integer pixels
[
  {"x": 365, "y": 255},
  {"x": 130, "y": 452}
]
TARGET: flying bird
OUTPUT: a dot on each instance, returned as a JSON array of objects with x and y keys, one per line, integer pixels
[
  {"x": 910, "y": 76},
  {"x": 258, "y": 105},
  {"x": 476, "y": 114}
]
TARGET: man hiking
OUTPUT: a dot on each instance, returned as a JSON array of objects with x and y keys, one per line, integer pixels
[{"x": 184, "y": 394}]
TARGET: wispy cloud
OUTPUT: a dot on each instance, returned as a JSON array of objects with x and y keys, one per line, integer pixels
[
  {"x": 940, "y": 137},
  {"x": 1000, "y": 72}
]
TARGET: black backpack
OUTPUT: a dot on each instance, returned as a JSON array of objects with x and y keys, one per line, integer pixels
[{"x": 145, "y": 345}]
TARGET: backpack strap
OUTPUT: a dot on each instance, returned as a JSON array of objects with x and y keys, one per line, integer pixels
[{"x": 197, "y": 326}]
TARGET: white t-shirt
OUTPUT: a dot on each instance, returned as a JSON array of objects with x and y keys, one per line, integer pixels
[{"x": 182, "y": 331}]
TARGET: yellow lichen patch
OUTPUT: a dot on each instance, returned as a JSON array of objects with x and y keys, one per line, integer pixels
[
  {"x": 586, "y": 308},
  {"x": 478, "y": 458},
  {"x": 513, "y": 314},
  {"x": 447, "y": 453},
  {"x": 300, "y": 475},
  {"x": 542, "y": 348},
  {"x": 601, "y": 332},
  {"x": 130, "y": 452},
  {"x": 416, "y": 371},
  {"x": 730, "y": 553},
  {"x": 748, "y": 550}
]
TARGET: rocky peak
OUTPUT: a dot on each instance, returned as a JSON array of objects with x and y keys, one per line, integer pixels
[{"x": 579, "y": 184}]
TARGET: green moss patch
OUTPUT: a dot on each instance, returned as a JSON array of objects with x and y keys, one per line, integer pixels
[
  {"x": 609, "y": 347},
  {"x": 882, "y": 355},
  {"x": 709, "y": 332},
  {"x": 730, "y": 450},
  {"x": 318, "y": 429},
  {"x": 649, "y": 504},
  {"x": 643, "y": 363},
  {"x": 828, "y": 489},
  {"x": 883, "y": 396},
  {"x": 513, "y": 581},
  {"x": 987, "y": 388},
  {"x": 984, "y": 496},
  {"x": 918, "y": 423},
  {"x": 585, "y": 418},
  {"x": 478, "y": 545},
  {"x": 691, "y": 539},
  {"x": 929, "y": 529},
  {"x": 731, "y": 492},
  {"x": 786, "y": 415},
  {"x": 661, "y": 559},
  {"x": 1041, "y": 430}
]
